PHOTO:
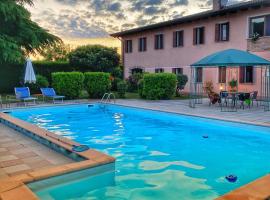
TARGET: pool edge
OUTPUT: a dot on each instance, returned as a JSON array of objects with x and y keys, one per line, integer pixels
[{"x": 15, "y": 187}]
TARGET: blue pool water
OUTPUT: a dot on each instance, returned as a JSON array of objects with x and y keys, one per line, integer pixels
[{"x": 159, "y": 155}]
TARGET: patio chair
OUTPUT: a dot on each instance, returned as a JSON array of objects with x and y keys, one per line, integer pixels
[
  {"x": 223, "y": 98},
  {"x": 242, "y": 97},
  {"x": 51, "y": 94},
  {"x": 254, "y": 96},
  {"x": 23, "y": 94}
]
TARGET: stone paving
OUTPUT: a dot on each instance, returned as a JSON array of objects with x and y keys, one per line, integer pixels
[
  {"x": 254, "y": 115},
  {"x": 20, "y": 154}
]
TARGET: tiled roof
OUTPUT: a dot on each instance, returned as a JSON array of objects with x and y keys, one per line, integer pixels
[{"x": 211, "y": 13}]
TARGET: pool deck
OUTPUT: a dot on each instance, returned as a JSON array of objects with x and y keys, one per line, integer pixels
[
  {"x": 23, "y": 160},
  {"x": 20, "y": 154},
  {"x": 17, "y": 151},
  {"x": 255, "y": 115}
]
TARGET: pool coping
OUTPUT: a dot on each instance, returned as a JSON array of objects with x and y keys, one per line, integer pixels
[
  {"x": 255, "y": 190},
  {"x": 13, "y": 188},
  {"x": 267, "y": 125}
]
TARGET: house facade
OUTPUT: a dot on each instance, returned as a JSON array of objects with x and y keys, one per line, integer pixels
[{"x": 172, "y": 46}]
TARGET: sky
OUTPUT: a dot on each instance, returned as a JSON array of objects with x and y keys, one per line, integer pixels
[{"x": 98, "y": 18}]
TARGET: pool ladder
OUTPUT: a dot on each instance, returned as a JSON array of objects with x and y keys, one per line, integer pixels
[{"x": 107, "y": 98}]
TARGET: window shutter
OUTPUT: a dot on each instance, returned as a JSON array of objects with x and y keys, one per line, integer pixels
[
  {"x": 194, "y": 36},
  {"x": 217, "y": 33},
  {"x": 156, "y": 41},
  {"x": 267, "y": 25},
  {"x": 139, "y": 44},
  {"x": 174, "y": 39},
  {"x": 242, "y": 74},
  {"x": 228, "y": 31},
  {"x": 145, "y": 44},
  {"x": 181, "y": 38},
  {"x": 161, "y": 41},
  {"x": 203, "y": 35}
]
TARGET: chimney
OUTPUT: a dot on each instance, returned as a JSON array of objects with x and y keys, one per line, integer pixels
[{"x": 219, "y": 4}]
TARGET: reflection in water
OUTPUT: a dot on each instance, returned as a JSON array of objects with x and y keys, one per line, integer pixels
[{"x": 160, "y": 156}]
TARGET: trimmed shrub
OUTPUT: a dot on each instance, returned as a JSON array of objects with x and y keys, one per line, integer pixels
[
  {"x": 41, "y": 82},
  {"x": 69, "y": 84},
  {"x": 159, "y": 86},
  {"x": 97, "y": 83},
  {"x": 122, "y": 88}
]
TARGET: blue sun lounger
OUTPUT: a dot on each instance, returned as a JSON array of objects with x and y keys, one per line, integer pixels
[
  {"x": 50, "y": 93},
  {"x": 23, "y": 94}
]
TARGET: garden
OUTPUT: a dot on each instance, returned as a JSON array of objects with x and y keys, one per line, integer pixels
[{"x": 85, "y": 72}]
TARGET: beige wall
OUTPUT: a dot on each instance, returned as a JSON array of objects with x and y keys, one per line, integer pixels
[{"x": 170, "y": 57}]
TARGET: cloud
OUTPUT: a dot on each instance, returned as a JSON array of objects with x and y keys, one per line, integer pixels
[{"x": 98, "y": 18}]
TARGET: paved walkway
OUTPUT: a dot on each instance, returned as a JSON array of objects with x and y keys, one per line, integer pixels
[
  {"x": 20, "y": 154},
  {"x": 255, "y": 115}
]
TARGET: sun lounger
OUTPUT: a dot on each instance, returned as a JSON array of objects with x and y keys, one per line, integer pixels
[
  {"x": 23, "y": 94},
  {"x": 50, "y": 93}
]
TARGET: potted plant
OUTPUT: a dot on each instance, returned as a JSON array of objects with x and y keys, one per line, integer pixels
[
  {"x": 255, "y": 37},
  {"x": 233, "y": 85}
]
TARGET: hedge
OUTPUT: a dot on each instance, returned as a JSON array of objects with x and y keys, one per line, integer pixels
[
  {"x": 11, "y": 75},
  {"x": 158, "y": 86},
  {"x": 69, "y": 84},
  {"x": 97, "y": 83}
]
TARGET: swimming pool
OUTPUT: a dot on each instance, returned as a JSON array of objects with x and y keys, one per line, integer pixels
[{"x": 159, "y": 155}]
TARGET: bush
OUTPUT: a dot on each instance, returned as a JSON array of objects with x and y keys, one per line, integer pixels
[
  {"x": 95, "y": 58},
  {"x": 115, "y": 81},
  {"x": 133, "y": 81},
  {"x": 41, "y": 82},
  {"x": 69, "y": 84},
  {"x": 97, "y": 83},
  {"x": 182, "y": 80},
  {"x": 159, "y": 86},
  {"x": 122, "y": 88},
  {"x": 140, "y": 88}
]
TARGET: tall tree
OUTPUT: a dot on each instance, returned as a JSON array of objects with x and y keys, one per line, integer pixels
[
  {"x": 19, "y": 35},
  {"x": 57, "y": 52}
]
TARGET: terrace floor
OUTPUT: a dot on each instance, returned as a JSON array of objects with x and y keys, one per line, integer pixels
[
  {"x": 20, "y": 154},
  {"x": 254, "y": 115}
]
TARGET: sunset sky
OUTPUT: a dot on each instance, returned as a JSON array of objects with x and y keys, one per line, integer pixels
[{"x": 98, "y": 18}]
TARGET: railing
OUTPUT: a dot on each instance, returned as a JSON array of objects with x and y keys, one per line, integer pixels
[{"x": 107, "y": 98}]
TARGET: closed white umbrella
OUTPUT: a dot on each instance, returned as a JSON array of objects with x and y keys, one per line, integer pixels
[{"x": 29, "y": 76}]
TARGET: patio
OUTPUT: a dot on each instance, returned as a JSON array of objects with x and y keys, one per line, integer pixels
[
  {"x": 229, "y": 95},
  {"x": 20, "y": 154},
  {"x": 254, "y": 115}
]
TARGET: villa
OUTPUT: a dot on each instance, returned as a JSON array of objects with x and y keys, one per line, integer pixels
[{"x": 172, "y": 46}]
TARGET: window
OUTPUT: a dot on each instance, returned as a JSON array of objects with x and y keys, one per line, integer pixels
[
  {"x": 198, "y": 36},
  {"x": 159, "y": 41},
  {"x": 128, "y": 46},
  {"x": 142, "y": 44},
  {"x": 222, "y": 74},
  {"x": 222, "y": 32},
  {"x": 178, "y": 38},
  {"x": 136, "y": 70},
  {"x": 159, "y": 70},
  {"x": 260, "y": 25},
  {"x": 246, "y": 74},
  {"x": 199, "y": 73},
  {"x": 177, "y": 71}
]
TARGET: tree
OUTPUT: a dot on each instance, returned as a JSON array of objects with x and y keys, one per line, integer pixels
[
  {"x": 19, "y": 36},
  {"x": 56, "y": 52},
  {"x": 95, "y": 58}
]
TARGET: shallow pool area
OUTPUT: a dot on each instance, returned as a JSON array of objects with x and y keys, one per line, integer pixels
[{"x": 159, "y": 155}]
